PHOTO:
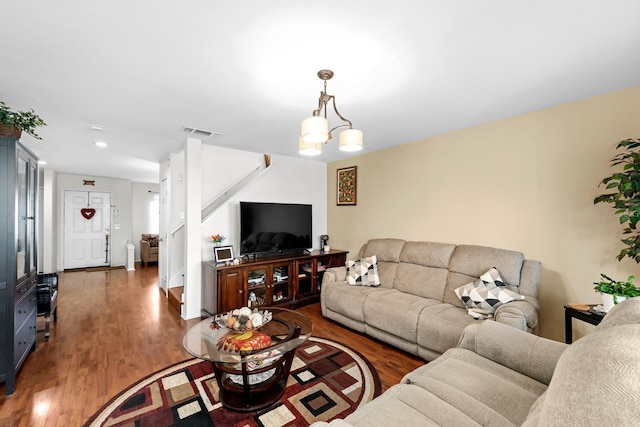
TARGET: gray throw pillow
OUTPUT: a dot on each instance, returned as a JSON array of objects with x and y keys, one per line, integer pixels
[
  {"x": 363, "y": 272},
  {"x": 483, "y": 296}
]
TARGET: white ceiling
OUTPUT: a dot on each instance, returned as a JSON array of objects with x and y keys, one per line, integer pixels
[{"x": 404, "y": 70}]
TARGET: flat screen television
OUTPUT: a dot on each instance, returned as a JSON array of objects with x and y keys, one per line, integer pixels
[{"x": 268, "y": 229}]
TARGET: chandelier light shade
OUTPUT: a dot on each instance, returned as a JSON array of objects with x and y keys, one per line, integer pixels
[
  {"x": 309, "y": 148},
  {"x": 315, "y": 129},
  {"x": 350, "y": 140}
]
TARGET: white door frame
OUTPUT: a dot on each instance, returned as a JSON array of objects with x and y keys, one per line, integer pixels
[{"x": 95, "y": 250}]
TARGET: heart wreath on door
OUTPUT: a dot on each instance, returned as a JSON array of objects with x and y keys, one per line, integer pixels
[{"x": 88, "y": 213}]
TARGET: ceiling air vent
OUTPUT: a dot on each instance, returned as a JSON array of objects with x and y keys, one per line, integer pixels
[{"x": 200, "y": 132}]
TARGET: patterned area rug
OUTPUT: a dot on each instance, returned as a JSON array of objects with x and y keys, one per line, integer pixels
[{"x": 327, "y": 380}]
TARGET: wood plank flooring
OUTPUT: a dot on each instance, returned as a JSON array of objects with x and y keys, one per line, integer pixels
[{"x": 114, "y": 328}]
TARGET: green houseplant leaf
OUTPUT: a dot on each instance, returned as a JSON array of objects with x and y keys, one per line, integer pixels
[
  {"x": 617, "y": 288},
  {"x": 26, "y": 121},
  {"x": 625, "y": 195}
]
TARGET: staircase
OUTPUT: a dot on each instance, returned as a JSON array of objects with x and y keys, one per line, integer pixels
[
  {"x": 175, "y": 298},
  {"x": 226, "y": 196}
]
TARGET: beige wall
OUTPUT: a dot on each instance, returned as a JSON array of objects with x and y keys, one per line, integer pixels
[{"x": 525, "y": 183}]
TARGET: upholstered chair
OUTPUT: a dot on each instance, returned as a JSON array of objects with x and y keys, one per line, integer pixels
[{"x": 149, "y": 248}]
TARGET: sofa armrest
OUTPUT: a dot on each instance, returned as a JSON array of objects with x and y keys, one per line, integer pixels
[
  {"x": 145, "y": 248},
  {"x": 334, "y": 274},
  {"x": 526, "y": 353},
  {"x": 521, "y": 314},
  {"x": 331, "y": 276}
]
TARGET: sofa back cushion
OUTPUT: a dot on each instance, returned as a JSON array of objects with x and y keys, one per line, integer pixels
[
  {"x": 387, "y": 251},
  {"x": 384, "y": 249},
  {"x": 422, "y": 270},
  {"x": 468, "y": 262}
]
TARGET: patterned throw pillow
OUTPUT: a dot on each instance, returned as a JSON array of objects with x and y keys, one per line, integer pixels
[
  {"x": 153, "y": 241},
  {"x": 363, "y": 272},
  {"x": 483, "y": 296}
]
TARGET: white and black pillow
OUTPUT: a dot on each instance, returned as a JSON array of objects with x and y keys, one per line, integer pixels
[
  {"x": 363, "y": 272},
  {"x": 484, "y": 295}
]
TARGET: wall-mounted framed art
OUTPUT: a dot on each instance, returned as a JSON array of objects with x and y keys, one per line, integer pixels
[{"x": 346, "y": 191}]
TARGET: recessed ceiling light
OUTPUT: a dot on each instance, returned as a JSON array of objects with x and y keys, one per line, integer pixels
[
  {"x": 100, "y": 144},
  {"x": 96, "y": 127},
  {"x": 42, "y": 162}
]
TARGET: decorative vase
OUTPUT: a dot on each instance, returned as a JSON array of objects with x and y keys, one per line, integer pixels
[
  {"x": 607, "y": 301},
  {"x": 10, "y": 131}
]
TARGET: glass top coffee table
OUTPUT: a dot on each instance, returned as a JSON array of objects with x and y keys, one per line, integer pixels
[{"x": 249, "y": 380}]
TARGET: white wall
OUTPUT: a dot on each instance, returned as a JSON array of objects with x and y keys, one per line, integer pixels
[
  {"x": 48, "y": 232},
  {"x": 525, "y": 183},
  {"x": 142, "y": 194},
  {"x": 120, "y": 190},
  {"x": 288, "y": 180}
]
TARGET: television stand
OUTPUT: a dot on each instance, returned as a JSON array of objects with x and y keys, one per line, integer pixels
[{"x": 286, "y": 281}]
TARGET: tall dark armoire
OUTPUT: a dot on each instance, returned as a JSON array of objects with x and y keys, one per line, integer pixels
[{"x": 18, "y": 257}]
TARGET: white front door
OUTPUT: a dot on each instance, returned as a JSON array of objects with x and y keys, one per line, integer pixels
[{"x": 87, "y": 229}]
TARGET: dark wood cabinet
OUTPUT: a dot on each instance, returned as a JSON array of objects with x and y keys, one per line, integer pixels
[
  {"x": 18, "y": 257},
  {"x": 310, "y": 272},
  {"x": 287, "y": 282},
  {"x": 231, "y": 291}
]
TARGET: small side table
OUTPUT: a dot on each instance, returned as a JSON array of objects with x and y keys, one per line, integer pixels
[{"x": 586, "y": 316}]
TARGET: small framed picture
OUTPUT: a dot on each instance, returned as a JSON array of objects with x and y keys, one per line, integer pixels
[
  {"x": 223, "y": 254},
  {"x": 347, "y": 181}
]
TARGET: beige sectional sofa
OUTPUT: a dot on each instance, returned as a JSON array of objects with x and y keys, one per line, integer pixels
[
  {"x": 500, "y": 376},
  {"x": 415, "y": 308}
]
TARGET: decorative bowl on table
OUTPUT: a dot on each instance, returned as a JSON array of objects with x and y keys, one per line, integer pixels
[{"x": 242, "y": 319}]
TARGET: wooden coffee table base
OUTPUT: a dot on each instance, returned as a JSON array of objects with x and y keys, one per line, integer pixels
[{"x": 247, "y": 397}]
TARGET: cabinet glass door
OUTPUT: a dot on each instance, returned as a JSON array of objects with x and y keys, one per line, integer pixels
[
  {"x": 257, "y": 287},
  {"x": 305, "y": 279},
  {"x": 322, "y": 266},
  {"x": 23, "y": 199},
  {"x": 31, "y": 221},
  {"x": 280, "y": 286}
]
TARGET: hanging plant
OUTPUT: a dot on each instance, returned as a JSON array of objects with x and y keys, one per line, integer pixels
[{"x": 625, "y": 195}]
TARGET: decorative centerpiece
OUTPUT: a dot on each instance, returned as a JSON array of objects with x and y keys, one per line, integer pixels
[
  {"x": 243, "y": 324},
  {"x": 13, "y": 123}
]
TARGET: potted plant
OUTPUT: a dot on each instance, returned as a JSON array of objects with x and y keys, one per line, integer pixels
[
  {"x": 614, "y": 291},
  {"x": 625, "y": 195},
  {"x": 13, "y": 123}
]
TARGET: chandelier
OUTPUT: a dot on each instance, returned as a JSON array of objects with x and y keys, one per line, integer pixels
[{"x": 315, "y": 129}]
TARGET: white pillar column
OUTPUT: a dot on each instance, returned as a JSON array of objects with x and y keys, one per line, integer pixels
[{"x": 192, "y": 222}]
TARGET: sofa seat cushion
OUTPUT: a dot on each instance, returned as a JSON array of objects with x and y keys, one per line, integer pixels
[
  {"x": 349, "y": 300},
  {"x": 409, "y": 405},
  {"x": 440, "y": 326},
  {"x": 486, "y": 391},
  {"x": 396, "y": 312}
]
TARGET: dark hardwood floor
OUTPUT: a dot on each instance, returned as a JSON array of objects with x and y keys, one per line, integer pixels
[{"x": 114, "y": 328}]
